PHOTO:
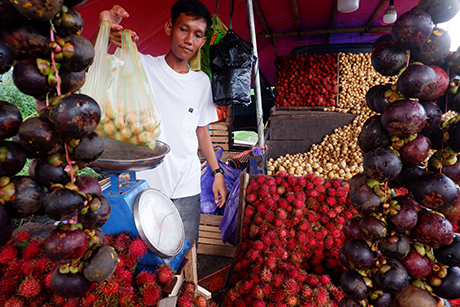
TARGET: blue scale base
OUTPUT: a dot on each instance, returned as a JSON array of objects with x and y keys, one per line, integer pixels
[{"x": 121, "y": 219}]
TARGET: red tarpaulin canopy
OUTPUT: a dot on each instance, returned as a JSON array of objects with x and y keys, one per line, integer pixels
[{"x": 280, "y": 25}]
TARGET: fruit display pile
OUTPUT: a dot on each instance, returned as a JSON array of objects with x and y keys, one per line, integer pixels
[
  {"x": 291, "y": 237},
  {"x": 306, "y": 80},
  {"x": 50, "y": 58},
  {"x": 26, "y": 272}
]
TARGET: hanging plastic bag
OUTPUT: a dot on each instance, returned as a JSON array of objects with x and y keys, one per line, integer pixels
[
  {"x": 200, "y": 61},
  {"x": 208, "y": 206},
  {"x": 232, "y": 61},
  {"x": 230, "y": 219},
  {"x": 119, "y": 84}
]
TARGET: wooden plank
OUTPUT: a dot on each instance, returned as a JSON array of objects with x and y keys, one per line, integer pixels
[
  {"x": 277, "y": 148},
  {"x": 214, "y": 238},
  {"x": 244, "y": 181},
  {"x": 210, "y": 219},
  {"x": 224, "y": 251},
  {"x": 209, "y": 228},
  {"x": 191, "y": 269},
  {"x": 307, "y": 125}
]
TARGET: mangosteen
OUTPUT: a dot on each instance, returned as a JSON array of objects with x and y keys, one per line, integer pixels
[
  {"x": 6, "y": 231},
  {"x": 412, "y": 29},
  {"x": 432, "y": 229},
  {"x": 38, "y": 10},
  {"x": 351, "y": 228},
  {"x": 88, "y": 184},
  {"x": 382, "y": 164},
  {"x": 454, "y": 135},
  {"x": 354, "y": 286},
  {"x": 403, "y": 213},
  {"x": 386, "y": 38},
  {"x": 416, "y": 150},
  {"x": 90, "y": 147},
  {"x": 63, "y": 204},
  {"x": 395, "y": 246},
  {"x": 450, "y": 284},
  {"x": 9, "y": 14},
  {"x": 27, "y": 39},
  {"x": 408, "y": 174},
  {"x": 379, "y": 299},
  {"x": 452, "y": 212},
  {"x": 29, "y": 80},
  {"x": 96, "y": 213},
  {"x": 449, "y": 254},
  {"x": 388, "y": 59},
  {"x": 450, "y": 170},
  {"x": 434, "y": 50},
  {"x": 391, "y": 277},
  {"x": 28, "y": 197},
  {"x": 10, "y": 119},
  {"x": 358, "y": 254},
  {"x": 363, "y": 195},
  {"x": 413, "y": 296},
  {"x": 417, "y": 263},
  {"x": 70, "y": 285},
  {"x": 13, "y": 157},
  {"x": 373, "y": 135},
  {"x": 101, "y": 264},
  {"x": 442, "y": 83},
  {"x": 375, "y": 97},
  {"x": 68, "y": 22},
  {"x": 434, "y": 190},
  {"x": 6, "y": 57},
  {"x": 433, "y": 117},
  {"x": 40, "y": 136},
  {"x": 348, "y": 302},
  {"x": 417, "y": 81},
  {"x": 373, "y": 229},
  {"x": 78, "y": 53},
  {"x": 51, "y": 170},
  {"x": 64, "y": 245},
  {"x": 440, "y": 10},
  {"x": 436, "y": 138},
  {"x": 76, "y": 115},
  {"x": 71, "y": 81},
  {"x": 404, "y": 117}
]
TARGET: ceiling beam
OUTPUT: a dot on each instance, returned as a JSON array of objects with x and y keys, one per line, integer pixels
[
  {"x": 295, "y": 11},
  {"x": 376, "y": 12},
  {"x": 326, "y": 31},
  {"x": 332, "y": 22}
]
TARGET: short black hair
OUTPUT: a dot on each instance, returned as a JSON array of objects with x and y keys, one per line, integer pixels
[{"x": 192, "y": 8}]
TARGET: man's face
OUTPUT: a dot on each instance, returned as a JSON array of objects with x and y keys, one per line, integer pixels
[{"x": 187, "y": 35}]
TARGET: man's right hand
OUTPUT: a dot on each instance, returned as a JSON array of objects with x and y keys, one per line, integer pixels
[{"x": 115, "y": 15}]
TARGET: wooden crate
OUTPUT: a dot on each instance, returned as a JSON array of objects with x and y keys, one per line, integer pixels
[
  {"x": 221, "y": 134},
  {"x": 294, "y": 131},
  {"x": 210, "y": 237}
]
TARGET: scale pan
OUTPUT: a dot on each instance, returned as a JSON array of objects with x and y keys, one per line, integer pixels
[{"x": 159, "y": 223}]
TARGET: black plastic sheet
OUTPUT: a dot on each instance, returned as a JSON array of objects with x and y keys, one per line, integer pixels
[{"x": 232, "y": 61}]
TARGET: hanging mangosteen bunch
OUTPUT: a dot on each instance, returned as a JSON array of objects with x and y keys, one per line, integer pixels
[
  {"x": 41, "y": 40},
  {"x": 402, "y": 249}
]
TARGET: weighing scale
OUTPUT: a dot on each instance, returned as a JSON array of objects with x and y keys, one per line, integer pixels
[{"x": 139, "y": 209}]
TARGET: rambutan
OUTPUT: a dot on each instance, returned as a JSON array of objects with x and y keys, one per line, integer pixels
[
  {"x": 151, "y": 294},
  {"x": 282, "y": 174},
  {"x": 261, "y": 178},
  {"x": 14, "y": 302},
  {"x": 109, "y": 288},
  {"x": 30, "y": 287},
  {"x": 341, "y": 192},
  {"x": 336, "y": 233},
  {"x": 251, "y": 197},
  {"x": 281, "y": 213},
  {"x": 21, "y": 236},
  {"x": 269, "y": 216},
  {"x": 318, "y": 180},
  {"x": 306, "y": 292},
  {"x": 247, "y": 286},
  {"x": 270, "y": 263},
  {"x": 324, "y": 279},
  {"x": 200, "y": 301},
  {"x": 89, "y": 299},
  {"x": 184, "y": 302},
  {"x": 292, "y": 301},
  {"x": 259, "y": 303},
  {"x": 261, "y": 209},
  {"x": 145, "y": 277},
  {"x": 331, "y": 202},
  {"x": 258, "y": 219},
  {"x": 312, "y": 280},
  {"x": 124, "y": 275},
  {"x": 7, "y": 254},
  {"x": 165, "y": 274},
  {"x": 321, "y": 296},
  {"x": 279, "y": 295},
  {"x": 275, "y": 198},
  {"x": 282, "y": 203},
  {"x": 328, "y": 242},
  {"x": 31, "y": 250},
  {"x": 257, "y": 292},
  {"x": 298, "y": 203},
  {"x": 291, "y": 286},
  {"x": 290, "y": 197},
  {"x": 312, "y": 193},
  {"x": 277, "y": 281},
  {"x": 269, "y": 204},
  {"x": 137, "y": 248},
  {"x": 263, "y": 192},
  {"x": 320, "y": 198}
]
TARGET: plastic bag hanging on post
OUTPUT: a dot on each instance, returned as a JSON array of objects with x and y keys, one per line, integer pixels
[{"x": 232, "y": 61}]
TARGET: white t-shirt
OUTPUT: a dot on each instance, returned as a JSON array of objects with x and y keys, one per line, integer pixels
[{"x": 185, "y": 103}]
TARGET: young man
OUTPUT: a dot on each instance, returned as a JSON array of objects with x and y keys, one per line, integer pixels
[{"x": 184, "y": 99}]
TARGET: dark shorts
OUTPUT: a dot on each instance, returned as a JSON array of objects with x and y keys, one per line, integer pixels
[{"x": 189, "y": 209}]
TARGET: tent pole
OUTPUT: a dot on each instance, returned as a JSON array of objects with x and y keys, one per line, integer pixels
[{"x": 257, "y": 91}]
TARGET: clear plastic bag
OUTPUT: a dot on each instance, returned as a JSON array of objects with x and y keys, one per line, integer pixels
[{"x": 119, "y": 84}]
